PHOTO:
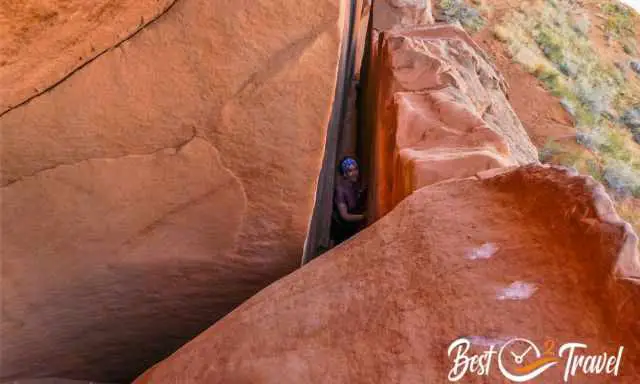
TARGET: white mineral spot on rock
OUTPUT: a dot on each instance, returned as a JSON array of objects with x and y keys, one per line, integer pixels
[
  {"x": 486, "y": 251},
  {"x": 518, "y": 290}
]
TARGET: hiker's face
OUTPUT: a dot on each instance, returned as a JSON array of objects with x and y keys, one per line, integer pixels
[{"x": 352, "y": 173}]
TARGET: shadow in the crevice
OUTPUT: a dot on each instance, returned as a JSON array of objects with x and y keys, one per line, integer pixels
[{"x": 318, "y": 238}]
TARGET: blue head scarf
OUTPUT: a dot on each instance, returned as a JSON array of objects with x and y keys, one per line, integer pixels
[{"x": 347, "y": 163}]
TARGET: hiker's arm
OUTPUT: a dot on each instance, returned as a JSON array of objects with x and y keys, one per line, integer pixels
[{"x": 346, "y": 216}]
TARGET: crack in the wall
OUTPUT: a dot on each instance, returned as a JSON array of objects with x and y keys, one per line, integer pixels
[
  {"x": 48, "y": 88},
  {"x": 154, "y": 224},
  {"x": 178, "y": 147},
  {"x": 274, "y": 65},
  {"x": 234, "y": 179},
  {"x": 277, "y": 62}
]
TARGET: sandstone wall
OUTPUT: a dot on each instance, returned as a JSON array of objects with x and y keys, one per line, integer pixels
[
  {"x": 385, "y": 306},
  {"x": 471, "y": 241},
  {"x": 440, "y": 112},
  {"x": 162, "y": 184},
  {"x": 361, "y": 25},
  {"x": 43, "y": 41}
]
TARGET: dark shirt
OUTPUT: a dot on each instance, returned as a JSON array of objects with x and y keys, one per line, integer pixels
[{"x": 351, "y": 194}]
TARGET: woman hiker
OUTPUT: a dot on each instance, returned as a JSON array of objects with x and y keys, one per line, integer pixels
[{"x": 349, "y": 202}]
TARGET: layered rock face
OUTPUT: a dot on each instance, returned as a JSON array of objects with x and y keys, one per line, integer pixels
[
  {"x": 43, "y": 41},
  {"x": 161, "y": 184},
  {"x": 440, "y": 112},
  {"x": 534, "y": 252},
  {"x": 397, "y": 13}
]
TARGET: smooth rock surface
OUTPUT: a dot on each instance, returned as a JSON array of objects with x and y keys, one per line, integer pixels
[
  {"x": 162, "y": 184},
  {"x": 385, "y": 306},
  {"x": 42, "y": 41}
]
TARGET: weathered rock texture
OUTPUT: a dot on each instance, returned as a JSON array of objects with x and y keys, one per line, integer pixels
[
  {"x": 162, "y": 184},
  {"x": 384, "y": 306},
  {"x": 440, "y": 112},
  {"x": 42, "y": 41},
  {"x": 389, "y": 14}
]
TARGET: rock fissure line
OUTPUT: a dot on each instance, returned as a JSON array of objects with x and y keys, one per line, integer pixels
[
  {"x": 90, "y": 60},
  {"x": 318, "y": 237},
  {"x": 156, "y": 222},
  {"x": 178, "y": 147},
  {"x": 276, "y": 62},
  {"x": 274, "y": 65},
  {"x": 117, "y": 243},
  {"x": 452, "y": 170}
]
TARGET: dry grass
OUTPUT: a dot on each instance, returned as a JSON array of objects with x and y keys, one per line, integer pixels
[
  {"x": 550, "y": 39},
  {"x": 620, "y": 22},
  {"x": 629, "y": 210}
]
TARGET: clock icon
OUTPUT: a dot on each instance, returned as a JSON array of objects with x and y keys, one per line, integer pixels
[{"x": 521, "y": 360}]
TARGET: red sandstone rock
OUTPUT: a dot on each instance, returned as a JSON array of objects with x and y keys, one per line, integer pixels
[
  {"x": 389, "y": 14},
  {"x": 162, "y": 184},
  {"x": 361, "y": 25},
  {"x": 384, "y": 306},
  {"x": 42, "y": 41},
  {"x": 440, "y": 112}
]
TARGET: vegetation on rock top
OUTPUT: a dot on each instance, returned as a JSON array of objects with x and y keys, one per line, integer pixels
[
  {"x": 586, "y": 54},
  {"x": 457, "y": 11},
  {"x": 552, "y": 42}
]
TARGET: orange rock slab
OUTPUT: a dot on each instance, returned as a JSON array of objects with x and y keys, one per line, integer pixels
[
  {"x": 386, "y": 305},
  {"x": 42, "y": 41},
  {"x": 162, "y": 184},
  {"x": 440, "y": 112}
]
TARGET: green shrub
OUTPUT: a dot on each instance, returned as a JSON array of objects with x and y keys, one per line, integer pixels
[
  {"x": 551, "y": 42},
  {"x": 550, "y": 46},
  {"x": 593, "y": 139},
  {"x": 615, "y": 147},
  {"x": 594, "y": 170},
  {"x": 631, "y": 119},
  {"x": 619, "y": 21},
  {"x": 458, "y": 10},
  {"x": 622, "y": 178},
  {"x": 548, "y": 76},
  {"x": 550, "y": 149},
  {"x": 568, "y": 70},
  {"x": 596, "y": 97},
  {"x": 581, "y": 24}
]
